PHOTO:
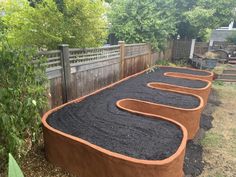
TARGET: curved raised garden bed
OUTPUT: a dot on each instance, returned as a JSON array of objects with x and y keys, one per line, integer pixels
[
  {"x": 189, "y": 73},
  {"x": 190, "y": 118},
  {"x": 84, "y": 158},
  {"x": 91, "y": 136},
  {"x": 203, "y": 90}
]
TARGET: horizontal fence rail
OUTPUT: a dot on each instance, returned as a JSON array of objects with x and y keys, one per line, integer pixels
[
  {"x": 92, "y": 54},
  {"x": 53, "y": 58},
  {"x": 132, "y": 50}
]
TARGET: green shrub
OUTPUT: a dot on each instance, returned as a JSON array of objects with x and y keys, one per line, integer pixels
[
  {"x": 79, "y": 23},
  {"x": 22, "y": 98},
  {"x": 143, "y": 21},
  {"x": 163, "y": 62}
]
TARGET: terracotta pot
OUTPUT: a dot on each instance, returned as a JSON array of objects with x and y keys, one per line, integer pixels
[
  {"x": 202, "y": 92},
  {"x": 190, "y": 118},
  {"x": 88, "y": 160},
  {"x": 209, "y": 75}
]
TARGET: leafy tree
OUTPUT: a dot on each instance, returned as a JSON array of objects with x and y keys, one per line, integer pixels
[
  {"x": 156, "y": 20},
  {"x": 27, "y": 26},
  {"x": 143, "y": 21},
  {"x": 80, "y": 23},
  {"x": 196, "y": 17}
]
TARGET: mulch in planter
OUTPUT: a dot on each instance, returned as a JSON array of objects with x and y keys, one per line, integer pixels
[
  {"x": 98, "y": 120},
  {"x": 179, "y": 81},
  {"x": 186, "y": 71},
  {"x": 119, "y": 131}
]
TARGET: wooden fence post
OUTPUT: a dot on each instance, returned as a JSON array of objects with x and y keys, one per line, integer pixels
[
  {"x": 170, "y": 48},
  {"x": 150, "y": 55},
  {"x": 122, "y": 58},
  {"x": 66, "y": 72}
]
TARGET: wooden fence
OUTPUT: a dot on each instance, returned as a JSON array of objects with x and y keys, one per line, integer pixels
[
  {"x": 181, "y": 49},
  {"x": 201, "y": 48},
  {"x": 75, "y": 72}
]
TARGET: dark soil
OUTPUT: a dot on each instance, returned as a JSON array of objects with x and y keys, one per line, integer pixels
[
  {"x": 119, "y": 131},
  {"x": 179, "y": 81},
  {"x": 206, "y": 122},
  {"x": 98, "y": 120},
  {"x": 194, "y": 164},
  {"x": 176, "y": 81},
  {"x": 186, "y": 71}
]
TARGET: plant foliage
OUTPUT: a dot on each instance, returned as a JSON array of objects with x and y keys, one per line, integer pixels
[
  {"x": 143, "y": 21},
  {"x": 13, "y": 168},
  {"x": 47, "y": 23},
  {"x": 232, "y": 38},
  {"x": 22, "y": 98},
  {"x": 157, "y": 20},
  {"x": 196, "y": 17}
]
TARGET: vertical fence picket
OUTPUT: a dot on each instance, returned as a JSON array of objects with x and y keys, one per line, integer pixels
[{"x": 122, "y": 57}]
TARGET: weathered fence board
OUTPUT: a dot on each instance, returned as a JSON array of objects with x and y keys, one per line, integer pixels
[
  {"x": 181, "y": 50},
  {"x": 94, "y": 68}
]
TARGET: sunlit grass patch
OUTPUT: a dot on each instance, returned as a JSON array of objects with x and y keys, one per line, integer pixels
[{"x": 212, "y": 140}]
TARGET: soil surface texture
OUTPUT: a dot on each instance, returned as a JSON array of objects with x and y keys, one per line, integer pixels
[
  {"x": 179, "y": 81},
  {"x": 187, "y": 71},
  {"x": 98, "y": 120},
  {"x": 194, "y": 163}
]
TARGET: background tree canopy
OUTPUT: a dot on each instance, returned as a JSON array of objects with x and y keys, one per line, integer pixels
[
  {"x": 196, "y": 17},
  {"x": 157, "y": 20},
  {"x": 46, "y": 23},
  {"x": 143, "y": 21}
]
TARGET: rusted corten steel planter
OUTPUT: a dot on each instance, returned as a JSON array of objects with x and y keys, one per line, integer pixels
[
  {"x": 84, "y": 159},
  {"x": 190, "y": 118},
  {"x": 202, "y": 74},
  {"x": 202, "y": 92}
]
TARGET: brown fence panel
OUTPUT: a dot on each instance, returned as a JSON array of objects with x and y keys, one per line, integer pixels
[
  {"x": 93, "y": 68},
  {"x": 54, "y": 74},
  {"x": 181, "y": 49},
  {"x": 201, "y": 48},
  {"x": 136, "y": 58},
  {"x": 73, "y": 73}
]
